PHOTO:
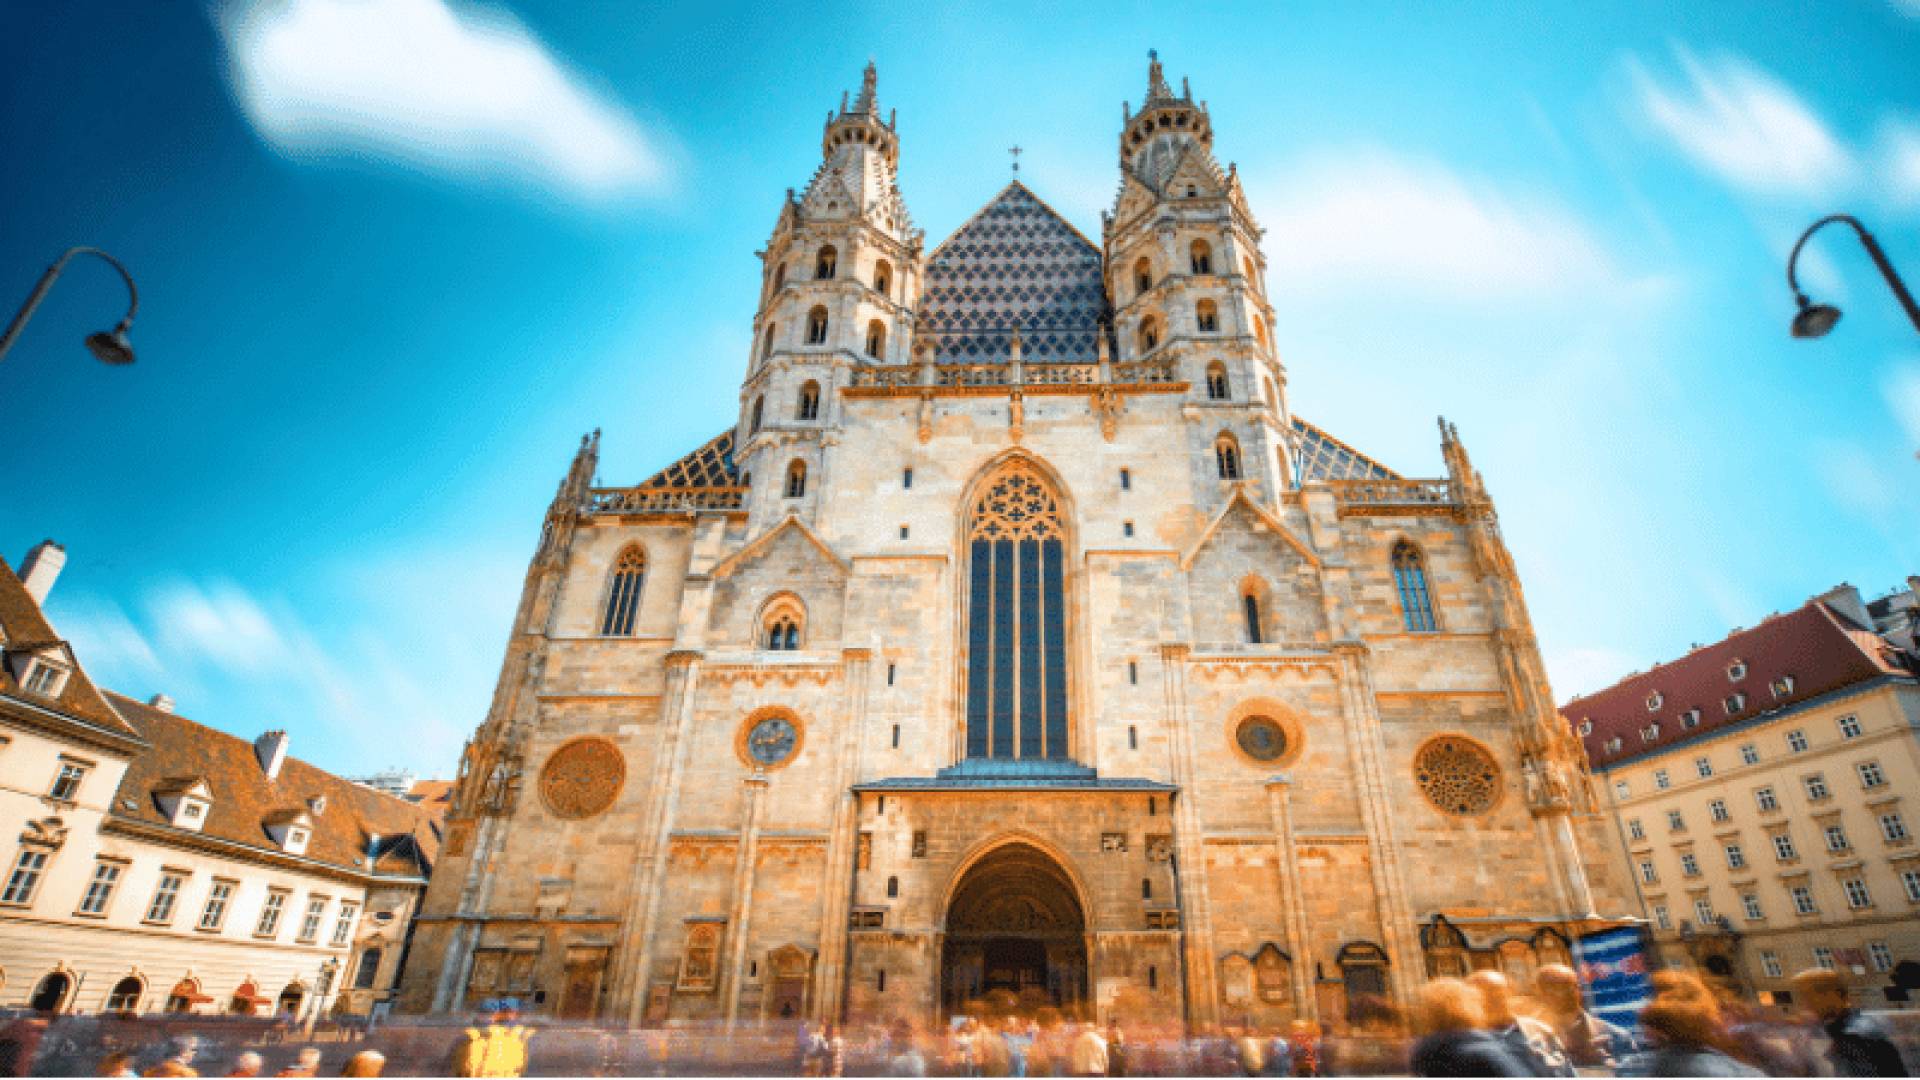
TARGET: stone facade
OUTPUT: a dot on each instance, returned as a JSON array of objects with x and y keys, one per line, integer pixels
[{"x": 1082, "y": 673}]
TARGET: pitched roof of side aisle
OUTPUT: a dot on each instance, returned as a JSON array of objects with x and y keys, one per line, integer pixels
[{"x": 1785, "y": 661}]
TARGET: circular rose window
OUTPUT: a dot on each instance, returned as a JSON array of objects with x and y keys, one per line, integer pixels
[
  {"x": 1457, "y": 775},
  {"x": 582, "y": 778},
  {"x": 1261, "y": 738},
  {"x": 772, "y": 741}
]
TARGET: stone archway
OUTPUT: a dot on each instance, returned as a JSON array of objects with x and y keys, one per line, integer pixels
[{"x": 1015, "y": 935}]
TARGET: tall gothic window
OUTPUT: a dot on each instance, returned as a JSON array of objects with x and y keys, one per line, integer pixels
[
  {"x": 1206, "y": 316},
  {"x": 1216, "y": 381},
  {"x": 1202, "y": 258},
  {"x": 876, "y": 338},
  {"x": 1250, "y": 603},
  {"x": 759, "y": 412},
  {"x": 766, "y": 349},
  {"x": 883, "y": 278},
  {"x": 1149, "y": 334},
  {"x": 796, "y": 479},
  {"x": 1226, "y": 455},
  {"x": 1016, "y": 620},
  {"x": 623, "y": 592},
  {"x": 1142, "y": 275},
  {"x": 783, "y": 633},
  {"x": 825, "y": 263},
  {"x": 1410, "y": 578},
  {"x": 817, "y": 326},
  {"x": 810, "y": 401}
]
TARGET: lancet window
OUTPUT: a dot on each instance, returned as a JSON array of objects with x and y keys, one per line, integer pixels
[
  {"x": 1201, "y": 257},
  {"x": 623, "y": 593},
  {"x": 876, "y": 338},
  {"x": 810, "y": 401},
  {"x": 817, "y": 326},
  {"x": 825, "y": 263},
  {"x": 1206, "y": 316},
  {"x": 883, "y": 278},
  {"x": 1226, "y": 456},
  {"x": 1216, "y": 381},
  {"x": 796, "y": 479},
  {"x": 1017, "y": 618},
  {"x": 1410, "y": 578}
]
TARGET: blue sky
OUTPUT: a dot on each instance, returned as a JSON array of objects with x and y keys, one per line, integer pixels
[{"x": 395, "y": 256}]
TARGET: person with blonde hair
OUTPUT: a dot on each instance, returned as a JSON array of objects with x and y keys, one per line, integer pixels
[
  {"x": 1684, "y": 1025},
  {"x": 1529, "y": 1040},
  {"x": 1451, "y": 1017},
  {"x": 1857, "y": 1044},
  {"x": 1590, "y": 1042}
]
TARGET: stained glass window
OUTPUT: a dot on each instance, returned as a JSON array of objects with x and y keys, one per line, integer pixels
[
  {"x": 1410, "y": 577},
  {"x": 1016, "y": 607},
  {"x": 623, "y": 593}
]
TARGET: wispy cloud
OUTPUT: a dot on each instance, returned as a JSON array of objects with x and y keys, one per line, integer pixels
[
  {"x": 1901, "y": 388},
  {"x": 466, "y": 90},
  {"x": 1899, "y": 161},
  {"x": 1746, "y": 126},
  {"x": 1371, "y": 215}
]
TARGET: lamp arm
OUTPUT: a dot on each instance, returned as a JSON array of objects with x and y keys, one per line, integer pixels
[
  {"x": 1880, "y": 261},
  {"x": 45, "y": 283}
]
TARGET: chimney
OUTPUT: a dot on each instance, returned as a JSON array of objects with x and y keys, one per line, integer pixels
[
  {"x": 1845, "y": 599},
  {"x": 373, "y": 848},
  {"x": 271, "y": 749},
  {"x": 160, "y": 703},
  {"x": 41, "y": 567}
]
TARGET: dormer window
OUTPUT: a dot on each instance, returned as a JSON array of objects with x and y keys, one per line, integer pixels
[
  {"x": 1650, "y": 732},
  {"x": 1736, "y": 671},
  {"x": 1586, "y": 728},
  {"x": 1690, "y": 718},
  {"x": 185, "y": 802},
  {"x": 290, "y": 830},
  {"x": 1654, "y": 701},
  {"x": 1783, "y": 686},
  {"x": 1734, "y": 703},
  {"x": 44, "y": 677},
  {"x": 1613, "y": 745}
]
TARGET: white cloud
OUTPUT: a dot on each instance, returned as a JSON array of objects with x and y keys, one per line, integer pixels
[
  {"x": 1901, "y": 387},
  {"x": 465, "y": 91},
  {"x": 1898, "y": 164},
  {"x": 103, "y": 634},
  {"x": 1373, "y": 216},
  {"x": 221, "y": 623},
  {"x": 1856, "y": 479},
  {"x": 1738, "y": 121}
]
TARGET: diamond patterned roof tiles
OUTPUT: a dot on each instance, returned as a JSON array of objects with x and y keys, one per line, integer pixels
[
  {"x": 710, "y": 466},
  {"x": 1323, "y": 457}
]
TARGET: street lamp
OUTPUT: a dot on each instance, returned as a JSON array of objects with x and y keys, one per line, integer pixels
[
  {"x": 107, "y": 346},
  {"x": 1814, "y": 320}
]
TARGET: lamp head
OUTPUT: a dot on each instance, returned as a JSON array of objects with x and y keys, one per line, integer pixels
[
  {"x": 1814, "y": 320},
  {"x": 112, "y": 348}
]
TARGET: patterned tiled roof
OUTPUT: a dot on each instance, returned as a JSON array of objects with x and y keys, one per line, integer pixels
[
  {"x": 1323, "y": 457},
  {"x": 1015, "y": 263},
  {"x": 24, "y": 627},
  {"x": 710, "y": 466}
]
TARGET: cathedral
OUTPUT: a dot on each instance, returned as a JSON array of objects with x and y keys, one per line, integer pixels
[{"x": 1016, "y": 643}]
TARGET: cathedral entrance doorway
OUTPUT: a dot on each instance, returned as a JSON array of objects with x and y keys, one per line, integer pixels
[{"x": 1015, "y": 937}]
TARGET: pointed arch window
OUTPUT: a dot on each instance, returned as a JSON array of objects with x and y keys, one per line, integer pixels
[
  {"x": 1226, "y": 455},
  {"x": 876, "y": 338},
  {"x": 1250, "y": 610},
  {"x": 826, "y": 263},
  {"x": 759, "y": 413},
  {"x": 817, "y": 326},
  {"x": 1410, "y": 578},
  {"x": 1016, "y": 620},
  {"x": 1142, "y": 275},
  {"x": 1206, "y": 316},
  {"x": 623, "y": 593},
  {"x": 810, "y": 401},
  {"x": 1149, "y": 334},
  {"x": 796, "y": 480},
  {"x": 782, "y": 633},
  {"x": 1201, "y": 257},
  {"x": 766, "y": 347},
  {"x": 883, "y": 279},
  {"x": 1260, "y": 330},
  {"x": 1216, "y": 381}
]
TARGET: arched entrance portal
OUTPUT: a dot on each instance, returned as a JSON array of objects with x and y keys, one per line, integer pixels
[{"x": 1016, "y": 935}]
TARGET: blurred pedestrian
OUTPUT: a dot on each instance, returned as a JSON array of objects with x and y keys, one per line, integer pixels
[
  {"x": 1590, "y": 1042},
  {"x": 365, "y": 1063},
  {"x": 179, "y": 1058},
  {"x": 1279, "y": 1056},
  {"x": 498, "y": 1049},
  {"x": 305, "y": 1063},
  {"x": 1117, "y": 1063},
  {"x": 248, "y": 1064},
  {"x": 1089, "y": 1052},
  {"x": 1454, "y": 1039},
  {"x": 1019, "y": 1039},
  {"x": 118, "y": 1063},
  {"x": 1533, "y": 1042},
  {"x": 1859, "y": 1046},
  {"x": 1687, "y": 1034}
]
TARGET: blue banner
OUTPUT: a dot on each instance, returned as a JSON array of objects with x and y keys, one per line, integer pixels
[{"x": 1614, "y": 974}]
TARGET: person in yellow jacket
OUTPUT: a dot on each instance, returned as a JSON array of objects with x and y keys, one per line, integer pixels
[{"x": 499, "y": 1049}]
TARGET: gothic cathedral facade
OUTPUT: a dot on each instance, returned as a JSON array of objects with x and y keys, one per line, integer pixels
[{"x": 1017, "y": 642}]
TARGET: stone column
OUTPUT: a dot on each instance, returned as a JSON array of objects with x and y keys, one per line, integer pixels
[
  {"x": 642, "y": 916},
  {"x": 1383, "y": 842},
  {"x": 1196, "y": 923},
  {"x": 836, "y": 891},
  {"x": 740, "y": 917},
  {"x": 1293, "y": 912}
]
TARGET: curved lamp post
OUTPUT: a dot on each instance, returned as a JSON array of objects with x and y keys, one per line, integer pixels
[
  {"x": 109, "y": 347},
  {"x": 1814, "y": 320}
]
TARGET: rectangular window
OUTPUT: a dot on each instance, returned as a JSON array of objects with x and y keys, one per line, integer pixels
[
  {"x": 219, "y": 898},
  {"x": 1893, "y": 827},
  {"x": 270, "y": 912},
  {"x": 906, "y": 478},
  {"x": 1750, "y": 906},
  {"x": 310, "y": 924},
  {"x": 1836, "y": 838},
  {"x": 1750, "y": 754},
  {"x": 1661, "y": 918},
  {"x": 1660, "y": 779},
  {"x": 106, "y": 877},
  {"x": 1770, "y": 963},
  {"x": 1133, "y": 673},
  {"x": 1763, "y": 798},
  {"x": 166, "y": 896},
  {"x": 1717, "y": 810},
  {"x": 1635, "y": 830},
  {"x": 43, "y": 679},
  {"x": 1703, "y": 767},
  {"x": 1870, "y": 774},
  {"x": 890, "y": 668},
  {"x": 1823, "y": 957},
  {"x": 1802, "y": 900},
  {"x": 1675, "y": 822},
  {"x": 1797, "y": 741},
  {"x": 1620, "y": 789},
  {"x": 1647, "y": 872},
  {"x": 1783, "y": 848},
  {"x": 343, "y": 927},
  {"x": 1689, "y": 865},
  {"x": 1736, "y": 859},
  {"x": 1126, "y": 480},
  {"x": 1703, "y": 910},
  {"x": 24, "y": 881},
  {"x": 1857, "y": 895},
  {"x": 1849, "y": 726},
  {"x": 66, "y": 784},
  {"x": 1816, "y": 785},
  {"x": 896, "y": 736},
  {"x": 1910, "y": 881},
  {"x": 1880, "y": 956}
]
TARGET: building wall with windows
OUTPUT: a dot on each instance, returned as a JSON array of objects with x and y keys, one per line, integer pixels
[
  {"x": 155, "y": 864},
  {"x": 1764, "y": 793},
  {"x": 1043, "y": 653}
]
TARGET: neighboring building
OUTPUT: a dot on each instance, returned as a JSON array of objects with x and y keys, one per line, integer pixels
[
  {"x": 1016, "y": 638},
  {"x": 155, "y": 864},
  {"x": 1761, "y": 786},
  {"x": 1897, "y": 615},
  {"x": 394, "y": 782}
]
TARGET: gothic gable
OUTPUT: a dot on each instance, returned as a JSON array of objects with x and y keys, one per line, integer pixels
[
  {"x": 1197, "y": 171},
  {"x": 1247, "y": 551},
  {"x": 788, "y": 560}
]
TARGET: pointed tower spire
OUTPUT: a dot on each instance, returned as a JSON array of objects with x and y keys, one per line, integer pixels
[
  {"x": 1157, "y": 88},
  {"x": 575, "y": 486},
  {"x": 868, "y": 103}
]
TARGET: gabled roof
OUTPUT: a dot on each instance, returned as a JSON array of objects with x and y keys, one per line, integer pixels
[
  {"x": 765, "y": 540},
  {"x": 244, "y": 801},
  {"x": 25, "y": 627},
  {"x": 1819, "y": 650},
  {"x": 1015, "y": 263},
  {"x": 1323, "y": 457},
  {"x": 1240, "y": 500},
  {"x": 710, "y": 466}
]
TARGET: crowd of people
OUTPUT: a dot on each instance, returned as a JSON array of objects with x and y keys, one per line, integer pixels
[{"x": 1481, "y": 1025}]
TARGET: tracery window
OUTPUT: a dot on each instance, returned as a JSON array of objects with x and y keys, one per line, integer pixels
[
  {"x": 825, "y": 263},
  {"x": 623, "y": 593},
  {"x": 1226, "y": 454},
  {"x": 1201, "y": 257},
  {"x": 1457, "y": 775},
  {"x": 1410, "y": 578},
  {"x": 1216, "y": 381},
  {"x": 810, "y": 401},
  {"x": 1016, "y": 638},
  {"x": 796, "y": 480},
  {"x": 1206, "y": 316},
  {"x": 876, "y": 338},
  {"x": 783, "y": 633},
  {"x": 817, "y": 326}
]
